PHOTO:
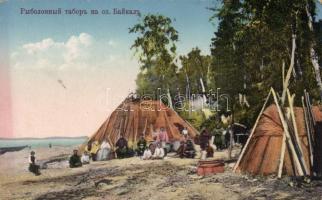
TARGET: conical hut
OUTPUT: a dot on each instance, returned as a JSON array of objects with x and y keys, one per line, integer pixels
[
  {"x": 134, "y": 118},
  {"x": 264, "y": 153}
]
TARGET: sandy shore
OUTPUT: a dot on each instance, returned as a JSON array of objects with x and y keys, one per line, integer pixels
[{"x": 172, "y": 178}]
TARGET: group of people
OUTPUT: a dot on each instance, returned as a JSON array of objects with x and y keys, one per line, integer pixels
[
  {"x": 96, "y": 151},
  {"x": 157, "y": 149}
]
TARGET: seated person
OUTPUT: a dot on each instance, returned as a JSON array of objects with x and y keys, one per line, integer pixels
[
  {"x": 33, "y": 167},
  {"x": 147, "y": 153},
  {"x": 74, "y": 160},
  {"x": 94, "y": 150},
  {"x": 141, "y": 146},
  {"x": 187, "y": 149},
  {"x": 85, "y": 158},
  {"x": 158, "y": 152},
  {"x": 122, "y": 149}
]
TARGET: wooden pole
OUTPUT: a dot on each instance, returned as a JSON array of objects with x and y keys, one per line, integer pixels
[
  {"x": 289, "y": 71},
  {"x": 288, "y": 138},
  {"x": 252, "y": 132},
  {"x": 291, "y": 102},
  {"x": 308, "y": 132},
  {"x": 280, "y": 167}
]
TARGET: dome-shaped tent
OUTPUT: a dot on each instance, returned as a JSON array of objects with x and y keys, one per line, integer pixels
[{"x": 134, "y": 118}]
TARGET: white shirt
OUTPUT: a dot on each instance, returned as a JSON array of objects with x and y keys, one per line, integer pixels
[
  {"x": 105, "y": 145},
  {"x": 185, "y": 132},
  {"x": 147, "y": 154},
  {"x": 30, "y": 159},
  {"x": 85, "y": 158},
  {"x": 158, "y": 153}
]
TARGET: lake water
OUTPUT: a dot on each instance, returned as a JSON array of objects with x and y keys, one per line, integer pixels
[{"x": 42, "y": 142}]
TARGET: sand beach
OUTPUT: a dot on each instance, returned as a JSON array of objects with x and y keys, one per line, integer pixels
[{"x": 132, "y": 178}]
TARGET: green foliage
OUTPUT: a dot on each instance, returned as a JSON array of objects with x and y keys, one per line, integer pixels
[
  {"x": 195, "y": 67},
  {"x": 253, "y": 40},
  {"x": 251, "y": 44},
  {"x": 155, "y": 46}
]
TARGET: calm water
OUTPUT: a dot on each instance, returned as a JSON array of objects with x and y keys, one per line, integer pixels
[{"x": 42, "y": 142}]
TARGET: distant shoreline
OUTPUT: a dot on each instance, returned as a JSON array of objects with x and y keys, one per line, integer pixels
[{"x": 45, "y": 138}]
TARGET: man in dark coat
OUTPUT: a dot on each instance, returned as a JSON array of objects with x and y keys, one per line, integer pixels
[
  {"x": 141, "y": 146},
  {"x": 204, "y": 140},
  {"x": 204, "y": 143},
  {"x": 74, "y": 160},
  {"x": 122, "y": 149}
]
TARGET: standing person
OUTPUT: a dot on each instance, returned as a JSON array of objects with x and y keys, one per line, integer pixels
[
  {"x": 104, "y": 151},
  {"x": 218, "y": 141},
  {"x": 163, "y": 137},
  {"x": 94, "y": 149},
  {"x": 141, "y": 146},
  {"x": 204, "y": 143},
  {"x": 33, "y": 167},
  {"x": 74, "y": 160},
  {"x": 185, "y": 131}
]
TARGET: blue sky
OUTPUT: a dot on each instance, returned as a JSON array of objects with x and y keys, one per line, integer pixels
[
  {"x": 191, "y": 20},
  {"x": 67, "y": 73}
]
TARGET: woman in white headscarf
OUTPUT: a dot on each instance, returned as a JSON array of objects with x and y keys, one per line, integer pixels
[{"x": 103, "y": 153}]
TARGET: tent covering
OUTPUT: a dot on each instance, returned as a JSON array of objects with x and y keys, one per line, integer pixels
[
  {"x": 262, "y": 155},
  {"x": 134, "y": 118}
]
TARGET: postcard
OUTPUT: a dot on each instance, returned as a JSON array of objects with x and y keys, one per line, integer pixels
[{"x": 160, "y": 99}]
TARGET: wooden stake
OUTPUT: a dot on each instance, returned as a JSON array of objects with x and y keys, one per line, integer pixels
[
  {"x": 252, "y": 132},
  {"x": 288, "y": 138}
]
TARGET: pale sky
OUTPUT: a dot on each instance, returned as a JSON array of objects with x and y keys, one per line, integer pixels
[{"x": 63, "y": 75}]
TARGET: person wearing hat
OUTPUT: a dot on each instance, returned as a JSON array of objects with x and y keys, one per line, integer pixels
[
  {"x": 33, "y": 167},
  {"x": 74, "y": 160}
]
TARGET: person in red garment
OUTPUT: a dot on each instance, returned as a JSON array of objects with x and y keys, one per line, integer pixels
[{"x": 163, "y": 137}]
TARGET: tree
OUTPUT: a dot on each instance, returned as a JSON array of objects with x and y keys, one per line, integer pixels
[
  {"x": 156, "y": 49},
  {"x": 254, "y": 40},
  {"x": 195, "y": 67}
]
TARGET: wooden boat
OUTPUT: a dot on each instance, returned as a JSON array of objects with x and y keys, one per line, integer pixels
[{"x": 11, "y": 149}]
